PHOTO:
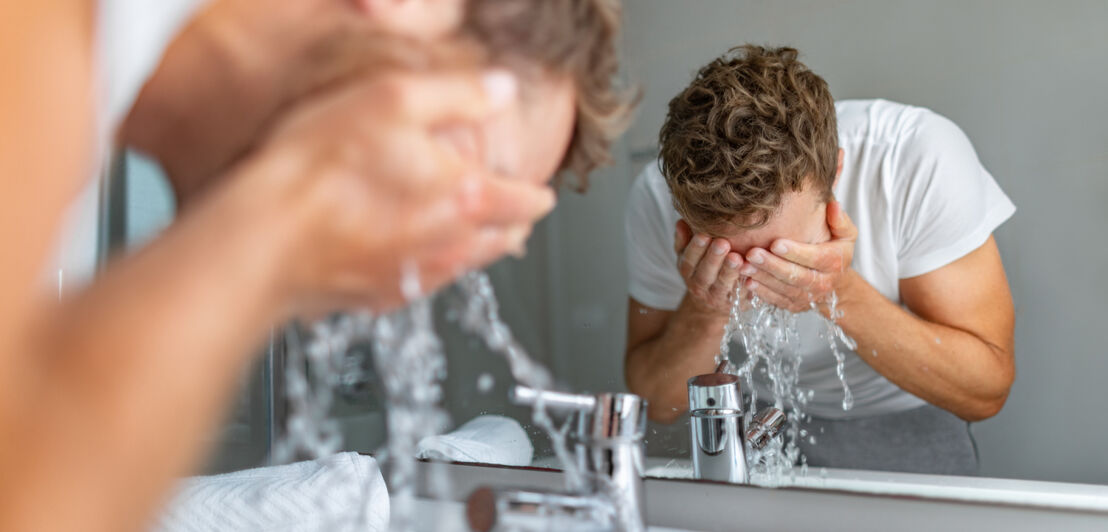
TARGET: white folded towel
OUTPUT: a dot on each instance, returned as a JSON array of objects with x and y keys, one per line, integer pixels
[
  {"x": 341, "y": 492},
  {"x": 484, "y": 439}
]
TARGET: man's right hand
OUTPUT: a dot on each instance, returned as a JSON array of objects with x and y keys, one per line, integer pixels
[
  {"x": 375, "y": 198},
  {"x": 709, "y": 267}
]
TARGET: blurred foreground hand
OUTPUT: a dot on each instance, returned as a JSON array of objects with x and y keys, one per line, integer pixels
[{"x": 376, "y": 205}]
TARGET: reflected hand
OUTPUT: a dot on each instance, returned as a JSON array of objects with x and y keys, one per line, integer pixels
[
  {"x": 709, "y": 267},
  {"x": 378, "y": 197},
  {"x": 796, "y": 276}
]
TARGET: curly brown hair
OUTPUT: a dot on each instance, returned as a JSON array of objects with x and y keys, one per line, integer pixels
[
  {"x": 577, "y": 38},
  {"x": 753, "y": 125}
]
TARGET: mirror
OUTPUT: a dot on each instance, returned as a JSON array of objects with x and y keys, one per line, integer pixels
[{"x": 1023, "y": 80}]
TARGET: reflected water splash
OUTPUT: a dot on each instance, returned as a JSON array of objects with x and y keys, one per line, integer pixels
[{"x": 770, "y": 339}]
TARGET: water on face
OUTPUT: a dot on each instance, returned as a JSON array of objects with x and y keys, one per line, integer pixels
[{"x": 770, "y": 338}]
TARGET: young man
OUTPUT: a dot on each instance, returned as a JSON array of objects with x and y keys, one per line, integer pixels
[
  {"x": 760, "y": 177},
  {"x": 240, "y": 63},
  {"x": 308, "y": 200}
]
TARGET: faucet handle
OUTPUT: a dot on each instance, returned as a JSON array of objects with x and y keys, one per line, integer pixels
[
  {"x": 604, "y": 416},
  {"x": 765, "y": 426},
  {"x": 714, "y": 391}
]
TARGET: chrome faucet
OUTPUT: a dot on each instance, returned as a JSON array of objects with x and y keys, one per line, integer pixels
[
  {"x": 608, "y": 448},
  {"x": 716, "y": 423}
]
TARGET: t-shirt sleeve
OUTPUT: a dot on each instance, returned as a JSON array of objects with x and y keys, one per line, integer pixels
[
  {"x": 947, "y": 202},
  {"x": 651, "y": 262}
]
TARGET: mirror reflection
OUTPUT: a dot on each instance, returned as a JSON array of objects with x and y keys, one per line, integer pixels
[
  {"x": 842, "y": 248},
  {"x": 911, "y": 186}
]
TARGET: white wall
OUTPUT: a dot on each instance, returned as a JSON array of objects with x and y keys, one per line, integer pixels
[{"x": 1026, "y": 81}]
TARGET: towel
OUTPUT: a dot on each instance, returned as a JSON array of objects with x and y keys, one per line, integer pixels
[
  {"x": 484, "y": 439},
  {"x": 341, "y": 492}
]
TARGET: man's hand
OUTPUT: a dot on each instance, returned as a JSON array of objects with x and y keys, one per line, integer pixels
[
  {"x": 709, "y": 267},
  {"x": 379, "y": 200},
  {"x": 796, "y": 276}
]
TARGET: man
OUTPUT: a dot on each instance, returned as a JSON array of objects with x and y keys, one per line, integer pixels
[
  {"x": 760, "y": 177},
  {"x": 242, "y": 62},
  {"x": 314, "y": 205}
]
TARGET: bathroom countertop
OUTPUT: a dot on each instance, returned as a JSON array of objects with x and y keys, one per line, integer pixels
[
  {"x": 1061, "y": 495},
  {"x": 449, "y": 516},
  {"x": 914, "y": 502}
]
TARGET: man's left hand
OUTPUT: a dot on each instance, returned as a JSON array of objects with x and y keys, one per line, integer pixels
[{"x": 796, "y": 276}]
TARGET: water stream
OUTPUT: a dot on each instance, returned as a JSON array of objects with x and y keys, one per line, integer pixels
[
  {"x": 770, "y": 339},
  {"x": 410, "y": 361}
]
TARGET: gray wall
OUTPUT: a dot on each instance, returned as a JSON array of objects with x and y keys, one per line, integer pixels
[{"x": 1025, "y": 80}]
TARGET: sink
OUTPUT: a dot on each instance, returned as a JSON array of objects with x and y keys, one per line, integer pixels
[
  {"x": 834, "y": 500},
  {"x": 449, "y": 516},
  {"x": 1057, "y": 495}
]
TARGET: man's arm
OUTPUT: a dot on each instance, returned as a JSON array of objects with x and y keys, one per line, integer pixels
[
  {"x": 208, "y": 102},
  {"x": 113, "y": 393},
  {"x": 954, "y": 349},
  {"x": 665, "y": 348}
]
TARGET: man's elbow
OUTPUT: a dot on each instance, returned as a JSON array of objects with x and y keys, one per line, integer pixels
[
  {"x": 657, "y": 410},
  {"x": 986, "y": 407},
  {"x": 983, "y": 409}
]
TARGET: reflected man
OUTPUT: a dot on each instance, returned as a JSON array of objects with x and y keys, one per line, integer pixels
[{"x": 760, "y": 180}]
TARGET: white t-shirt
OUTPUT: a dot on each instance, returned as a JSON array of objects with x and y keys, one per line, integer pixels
[
  {"x": 131, "y": 37},
  {"x": 921, "y": 199}
]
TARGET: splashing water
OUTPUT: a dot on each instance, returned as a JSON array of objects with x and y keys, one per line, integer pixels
[
  {"x": 770, "y": 338},
  {"x": 834, "y": 335},
  {"x": 310, "y": 432},
  {"x": 479, "y": 313},
  {"x": 411, "y": 363}
]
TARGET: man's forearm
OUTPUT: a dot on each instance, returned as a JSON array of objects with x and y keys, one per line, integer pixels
[
  {"x": 948, "y": 367},
  {"x": 203, "y": 108},
  {"x": 140, "y": 387},
  {"x": 658, "y": 369}
]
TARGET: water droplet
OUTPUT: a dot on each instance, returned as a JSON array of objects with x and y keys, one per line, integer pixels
[{"x": 485, "y": 383}]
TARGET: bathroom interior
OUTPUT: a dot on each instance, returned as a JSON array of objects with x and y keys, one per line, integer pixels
[{"x": 1025, "y": 80}]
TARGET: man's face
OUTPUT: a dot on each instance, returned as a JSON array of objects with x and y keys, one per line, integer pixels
[
  {"x": 529, "y": 139},
  {"x": 802, "y": 217}
]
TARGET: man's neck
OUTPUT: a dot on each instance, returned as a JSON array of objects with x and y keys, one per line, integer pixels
[{"x": 222, "y": 82}]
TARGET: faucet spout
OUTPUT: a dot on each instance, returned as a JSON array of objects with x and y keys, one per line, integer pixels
[
  {"x": 608, "y": 437},
  {"x": 716, "y": 425}
]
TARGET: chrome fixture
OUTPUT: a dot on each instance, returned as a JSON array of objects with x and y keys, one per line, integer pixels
[
  {"x": 608, "y": 449},
  {"x": 719, "y": 440}
]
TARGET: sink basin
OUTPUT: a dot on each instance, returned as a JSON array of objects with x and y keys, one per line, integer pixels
[
  {"x": 836, "y": 500},
  {"x": 1058, "y": 495},
  {"x": 449, "y": 516}
]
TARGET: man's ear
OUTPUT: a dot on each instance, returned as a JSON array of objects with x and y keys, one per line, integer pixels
[{"x": 838, "y": 168}]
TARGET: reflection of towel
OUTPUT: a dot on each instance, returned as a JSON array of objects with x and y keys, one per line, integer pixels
[
  {"x": 485, "y": 439},
  {"x": 340, "y": 492}
]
